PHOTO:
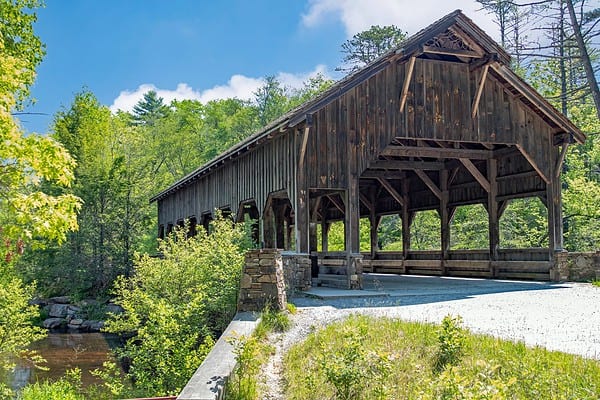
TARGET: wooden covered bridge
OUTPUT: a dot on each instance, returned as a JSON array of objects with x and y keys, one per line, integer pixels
[{"x": 438, "y": 123}]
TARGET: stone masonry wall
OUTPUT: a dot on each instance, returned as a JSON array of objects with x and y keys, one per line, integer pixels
[
  {"x": 297, "y": 272},
  {"x": 262, "y": 281},
  {"x": 578, "y": 267},
  {"x": 583, "y": 266}
]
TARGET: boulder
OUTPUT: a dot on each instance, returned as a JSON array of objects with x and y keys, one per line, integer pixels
[
  {"x": 59, "y": 300},
  {"x": 89, "y": 303},
  {"x": 92, "y": 325},
  {"x": 58, "y": 310},
  {"x": 53, "y": 323},
  {"x": 114, "y": 308},
  {"x": 75, "y": 323}
]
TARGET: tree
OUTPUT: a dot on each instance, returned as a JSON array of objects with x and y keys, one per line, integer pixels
[
  {"x": 150, "y": 109},
  {"x": 28, "y": 212},
  {"x": 368, "y": 45},
  {"x": 583, "y": 51}
]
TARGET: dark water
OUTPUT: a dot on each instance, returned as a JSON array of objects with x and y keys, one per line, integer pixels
[{"x": 64, "y": 351}]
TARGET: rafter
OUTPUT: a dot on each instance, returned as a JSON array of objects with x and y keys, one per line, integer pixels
[
  {"x": 391, "y": 191},
  {"x": 533, "y": 163},
  {"x": 337, "y": 204},
  {"x": 485, "y": 184},
  {"x": 365, "y": 201},
  {"x": 429, "y": 183}
]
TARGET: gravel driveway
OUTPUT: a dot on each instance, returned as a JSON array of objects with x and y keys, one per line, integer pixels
[{"x": 558, "y": 316}]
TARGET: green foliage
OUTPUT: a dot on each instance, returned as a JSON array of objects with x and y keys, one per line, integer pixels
[
  {"x": 352, "y": 370},
  {"x": 451, "y": 342},
  {"x": 425, "y": 231},
  {"x": 368, "y": 45},
  {"x": 16, "y": 316},
  {"x": 469, "y": 228},
  {"x": 22, "y": 51},
  {"x": 489, "y": 368},
  {"x": 524, "y": 224},
  {"x": 66, "y": 388},
  {"x": 150, "y": 109},
  {"x": 249, "y": 356},
  {"x": 273, "y": 321},
  {"x": 251, "y": 353},
  {"x": 596, "y": 282},
  {"x": 174, "y": 305}
]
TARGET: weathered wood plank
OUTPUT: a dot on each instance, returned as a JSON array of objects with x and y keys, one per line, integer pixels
[{"x": 435, "y": 152}]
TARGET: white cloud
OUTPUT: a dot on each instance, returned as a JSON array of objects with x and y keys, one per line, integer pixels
[
  {"x": 360, "y": 15},
  {"x": 238, "y": 86},
  {"x": 128, "y": 99}
]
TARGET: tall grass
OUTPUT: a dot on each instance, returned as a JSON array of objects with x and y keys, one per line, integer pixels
[{"x": 408, "y": 360}]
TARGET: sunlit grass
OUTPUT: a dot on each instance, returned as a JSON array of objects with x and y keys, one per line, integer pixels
[{"x": 407, "y": 352}]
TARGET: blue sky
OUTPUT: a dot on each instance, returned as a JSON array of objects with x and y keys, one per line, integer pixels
[{"x": 203, "y": 49}]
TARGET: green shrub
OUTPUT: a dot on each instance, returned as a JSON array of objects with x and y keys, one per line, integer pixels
[
  {"x": 175, "y": 305},
  {"x": 451, "y": 342},
  {"x": 66, "y": 388}
]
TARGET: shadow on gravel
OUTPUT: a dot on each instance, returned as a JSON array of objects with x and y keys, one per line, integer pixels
[{"x": 382, "y": 290}]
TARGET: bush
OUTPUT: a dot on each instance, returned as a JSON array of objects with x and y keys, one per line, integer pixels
[
  {"x": 175, "y": 305},
  {"x": 66, "y": 388},
  {"x": 451, "y": 342}
]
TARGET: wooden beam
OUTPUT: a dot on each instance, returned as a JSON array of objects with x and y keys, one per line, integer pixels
[
  {"x": 479, "y": 90},
  {"x": 533, "y": 163},
  {"x": 391, "y": 191},
  {"x": 337, "y": 204},
  {"x": 304, "y": 144},
  {"x": 450, "y": 52},
  {"x": 561, "y": 159},
  {"x": 375, "y": 174},
  {"x": 407, "y": 165},
  {"x": 476, "y": 173},
  {"x": 430, "y": 184},
  {"x": 366, "y": 201},
  {"x": 434, "y": 152},
  {"x": 407, "y": 79},
  {"x": 518, "y": 175}
]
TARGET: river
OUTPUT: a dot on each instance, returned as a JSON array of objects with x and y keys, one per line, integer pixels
[{"x": 64, "y": 351}]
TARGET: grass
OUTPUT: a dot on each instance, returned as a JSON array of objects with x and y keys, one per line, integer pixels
[
  {"x": 596, "y": 282},
  {"x": 392, "y": 359},
  {"x": 253, "y": 352}
]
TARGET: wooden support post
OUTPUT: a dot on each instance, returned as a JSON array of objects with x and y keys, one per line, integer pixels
[
  {"x": 554, "y": 206},
  {"x": 280, "y": 229},
  {"x": 493, "y": 210},
  {"x": 561, "y": 159},
  {"x": 374, "y": 225},
  {"x": 301, "y": 200},
  {"x": 445, "y": 218},
  {"x": 352, "y": 212},
  {"x": 406, "y": 219},
  {"x": 325, "y": 236},
  {"x": 313, "y": 240},
  {"x": 269, "y": 240}
]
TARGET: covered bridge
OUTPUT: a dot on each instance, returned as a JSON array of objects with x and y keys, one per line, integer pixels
[{"x": 438, "y": 123}]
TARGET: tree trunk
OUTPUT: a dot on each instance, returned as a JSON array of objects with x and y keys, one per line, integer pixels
[{"x": 585, "y": 57}]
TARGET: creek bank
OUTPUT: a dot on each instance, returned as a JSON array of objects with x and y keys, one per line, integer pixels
[{"x": 60, "y": 314}]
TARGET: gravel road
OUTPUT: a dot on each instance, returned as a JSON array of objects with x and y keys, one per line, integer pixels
[{"x": 558, "y": 316}]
